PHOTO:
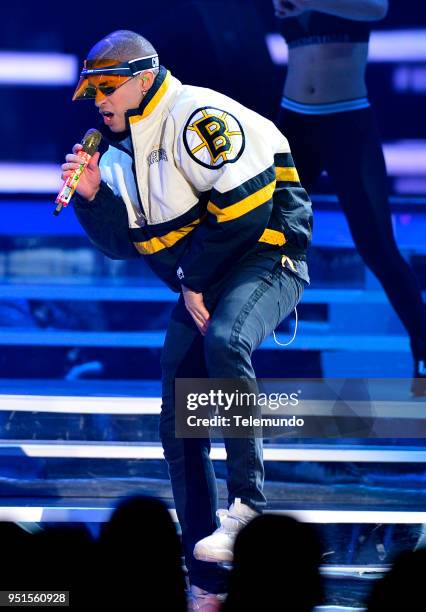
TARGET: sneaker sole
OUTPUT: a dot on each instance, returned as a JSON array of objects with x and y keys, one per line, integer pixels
[{"x": 223, "y": 556}]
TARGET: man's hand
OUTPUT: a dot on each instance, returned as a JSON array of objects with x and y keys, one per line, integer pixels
[
  {"x": 290, "y": 8},
  {"x": 90, "y": 180},
  {"x": 194, "y": 303}
]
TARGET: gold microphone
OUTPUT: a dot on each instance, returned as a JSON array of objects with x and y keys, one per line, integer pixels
[{"x": 90, "y": 142}]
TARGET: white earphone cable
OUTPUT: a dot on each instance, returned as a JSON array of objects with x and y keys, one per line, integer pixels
[{"x": 294, "y": 335}]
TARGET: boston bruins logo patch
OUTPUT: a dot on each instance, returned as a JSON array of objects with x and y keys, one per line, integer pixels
[{"x": 213, "y": 137}]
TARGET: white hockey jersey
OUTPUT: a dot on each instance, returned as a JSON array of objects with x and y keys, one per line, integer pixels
[{"x": 204, "y": 181}]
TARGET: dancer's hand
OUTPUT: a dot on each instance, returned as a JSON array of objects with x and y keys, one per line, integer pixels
[
  {"x": 194, "y": 303},
  {"x": 290, "y": 8}
]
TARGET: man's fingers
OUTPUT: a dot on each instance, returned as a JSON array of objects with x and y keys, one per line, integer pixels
[
  {"x": 202, "y": 310},
  {"x": 94, "y": 159},
  {"x": 197, "y": 318},
  {"x": 202, "y": 313},
  {"x": 200, "y": 327},
  {"x": 205, "y": 313},
  {"x": 203, "y": 329},
  {"x": 195, "y": 305},
  {"x": 73, "y": 159},
  {"x": 69, "y": 166},
  {"x": 77, "y": 147},
  {"x": 199, "y": 321}
]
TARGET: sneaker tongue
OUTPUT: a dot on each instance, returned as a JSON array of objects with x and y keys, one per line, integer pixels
[
  {"x": 233, "y": 523},
  {"x": 241, "y": 510}
]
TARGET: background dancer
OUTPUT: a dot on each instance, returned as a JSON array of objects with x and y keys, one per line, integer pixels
[{"x": 327, "y": 117}]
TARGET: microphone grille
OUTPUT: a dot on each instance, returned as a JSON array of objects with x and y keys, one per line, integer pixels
[{"x": 91, "y": 141}]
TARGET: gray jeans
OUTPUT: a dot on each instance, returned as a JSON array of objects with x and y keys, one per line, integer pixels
[{"x": 245, "y": 307}]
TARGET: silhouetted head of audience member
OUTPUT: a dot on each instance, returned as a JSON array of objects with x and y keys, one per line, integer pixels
[
  {"x": 54, "y": 558},
  {"x": 142, "y": 557},
  {"x": 402, "y": 588},
  {"x": 16, "y": 546},
  {"x": 276, "y": 567},
  {"x": 62, "y": 559}
]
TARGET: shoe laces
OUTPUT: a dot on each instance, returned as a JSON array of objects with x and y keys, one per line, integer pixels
[{"x": 229, "y": 523}]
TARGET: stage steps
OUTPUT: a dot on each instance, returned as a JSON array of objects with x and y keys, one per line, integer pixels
[
  {"x": 55, "y": 442},
  {"x": 124, "y": 291},
  {"x": 346, "y": 326},
  {"x": 104, "y": 339},
  {"x": 366, "y": 498},
  {"x": 340, "y": 332}
]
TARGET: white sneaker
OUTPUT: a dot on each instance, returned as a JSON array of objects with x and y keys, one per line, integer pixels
[
  {"x": 203, "y": 601},
  {"x": 218, "y": 547}
]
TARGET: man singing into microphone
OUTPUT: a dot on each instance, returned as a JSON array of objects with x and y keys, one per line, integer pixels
[{"x": 206, "y": 190}]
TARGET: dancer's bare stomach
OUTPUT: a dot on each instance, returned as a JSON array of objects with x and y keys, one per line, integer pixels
[{"x": 328, "y": 72}]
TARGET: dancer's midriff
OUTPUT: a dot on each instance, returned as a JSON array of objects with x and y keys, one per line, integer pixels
[{"x": 330, "y": 72}]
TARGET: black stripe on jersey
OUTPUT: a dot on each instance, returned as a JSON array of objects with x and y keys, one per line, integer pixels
[
  {"x": 284, "y": 160},
  {"x": 248, "y": 188},
  {"x": 160, "y": 229}
]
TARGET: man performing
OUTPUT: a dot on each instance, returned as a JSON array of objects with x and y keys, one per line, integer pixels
[
  {"x": 327, "y": 117},
  {"x": 207, "y": 191}
]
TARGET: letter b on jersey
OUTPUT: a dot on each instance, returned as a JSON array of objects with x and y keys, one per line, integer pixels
[{"x": 213, "y": 137}]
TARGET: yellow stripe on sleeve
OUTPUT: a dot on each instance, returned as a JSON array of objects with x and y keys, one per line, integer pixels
[
  {"x": 273, "y": 237},
  {"x": 287, "y": 174},
  {"x": 243, "y": 206},
  {"x": 149, "y": 247}
]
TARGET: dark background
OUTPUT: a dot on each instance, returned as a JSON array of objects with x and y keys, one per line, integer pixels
[{"x": 214, "y": 43}]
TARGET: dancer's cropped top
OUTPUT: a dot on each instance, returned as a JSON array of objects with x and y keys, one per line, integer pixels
[{"x": 313, "y": 27}]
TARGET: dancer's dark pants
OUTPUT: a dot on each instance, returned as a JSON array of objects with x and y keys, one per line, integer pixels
[
  {"x": 347, "y": 146},
  {"x": 245, "y": 307}
]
